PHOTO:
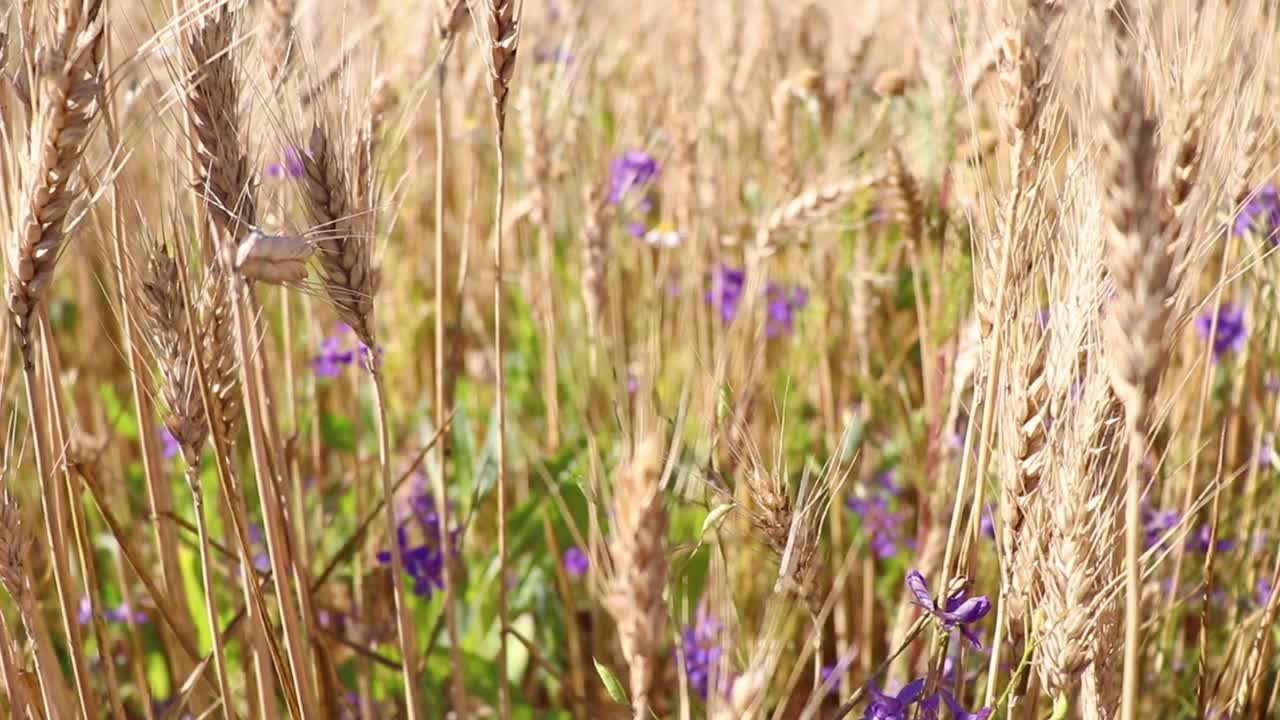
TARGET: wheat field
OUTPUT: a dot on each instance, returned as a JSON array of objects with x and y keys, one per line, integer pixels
[{"x": 726, "y": 359}]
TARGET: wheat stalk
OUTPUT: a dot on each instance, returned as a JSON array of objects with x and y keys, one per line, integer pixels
[
  {"x": 1141, "y": 266},
  {"x": 500, "y": 40},
  {"x": 448, "y": 20},
  {"x": 349, "y": 273},
  {"x": 65, "y": 87},
  {"x": 15, "y": 549},
  {"x": 163, "y": 306}
]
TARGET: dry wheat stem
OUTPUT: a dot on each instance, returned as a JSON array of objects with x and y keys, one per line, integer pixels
[
  {"x": 448, "y": 20},
  {"x": 52, "y": 499},
  {"x": 19, "y": 703},
  {"x": 407, "y": 633},
  {"x": 247, "y": 359},
  {"x": 206, "y": 576},
  {"x": 59, "y": 429},
  {"x": 225, "y": 191},
  {"x": 351, "y": 279},
  {"x": 595, "y": 269},
  {"x": 501, "y": 41},
  {"x": 15, "y": 547}
]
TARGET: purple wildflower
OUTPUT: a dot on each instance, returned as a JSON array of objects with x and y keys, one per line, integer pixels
[
  {"x": 423, "y": 561},
  {"x": 331, "y": 620},
  {"x": 637, "y": 229},
  {"x": 781, "y": 308},
  {"x": 1200, "y": 541},
  {"x": 633, "y": 384},
  {"x": 830, "y": 679},
  {"x": 960, "y": 611},
  {"x": 576, "y": 562},
  {"x": 557, "y": 54},
  {"x": 261, "y": 560},
  {"x": 119, "y": 614},
  {"x": 1156, "y": 524},
  {"x": 702, "y": 653},
  {"x": 632, "y": 170},
  {"x": 887, "y": 479},
  {"x": 1261, "y": 214},
  {"x": 1265, "y": 453},
  {"x": 892, "y": 707},
  {"x": 1230, "y": 333},
  {"x": 290, "y": 166},
  {"x": 951, "y": 664},
  {"x": 832, "y": 673},
  {"x": 334, "y": 352},
  {"x": 1262, "y": 591},
  {"x": 880, "y": 525},
  {"x": 169, "y": 442},
  {"x": 988, "y": 523},
  {"x": 726, "y": 291}
]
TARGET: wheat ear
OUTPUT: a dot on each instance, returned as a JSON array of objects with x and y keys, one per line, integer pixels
[
  {"x": 806, "y": 208},
  {"x": 1142, "y": 265},
  {"x": 212, "y": 91},
  {"x": 163, "y": 307},
  {"x": 637, "y": 545}
]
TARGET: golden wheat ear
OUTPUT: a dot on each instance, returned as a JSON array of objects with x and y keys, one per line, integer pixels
[{"x": 638, "y": 549}]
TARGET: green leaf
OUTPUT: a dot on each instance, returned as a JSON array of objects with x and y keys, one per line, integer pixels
[
  {"x": 120, "y": 415},
  {"x": 611, "y": 684},
  {"x": 1061, "y": 707},
  {"x": 337, "y": 432}
]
